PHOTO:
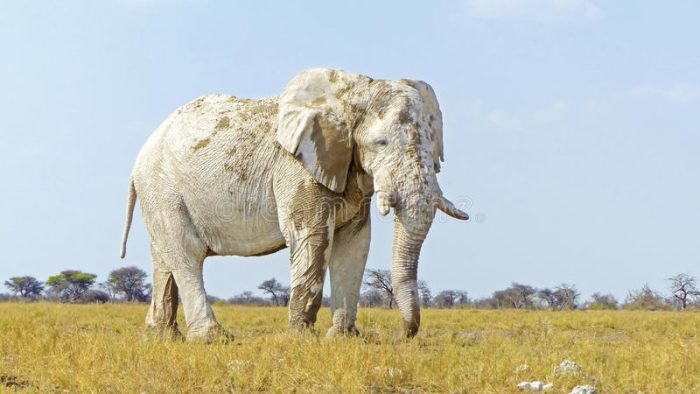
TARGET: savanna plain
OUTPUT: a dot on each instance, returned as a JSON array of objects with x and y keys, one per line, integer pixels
[{"x": 101, "y": 348}]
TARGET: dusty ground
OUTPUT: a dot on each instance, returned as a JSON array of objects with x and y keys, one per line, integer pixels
[{"x": 98, "y": 348}]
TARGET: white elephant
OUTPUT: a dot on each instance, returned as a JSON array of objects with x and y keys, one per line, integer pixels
[{"x": 229, "y": 176}]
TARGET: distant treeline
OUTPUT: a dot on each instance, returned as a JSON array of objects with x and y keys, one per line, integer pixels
[
  {"x": 128, "y": 284},
  {"x": 684, "y": 294}
]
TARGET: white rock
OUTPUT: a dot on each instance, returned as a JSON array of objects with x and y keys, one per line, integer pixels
[
  {"x": 522, "y": 368},
  {"x": 535, "y": 386},
  {"x": 567, "y": 367},
  {"x": 585, "y": 389}
]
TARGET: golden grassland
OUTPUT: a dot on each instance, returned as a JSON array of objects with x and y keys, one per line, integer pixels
[{"x": 99, "y": 348}]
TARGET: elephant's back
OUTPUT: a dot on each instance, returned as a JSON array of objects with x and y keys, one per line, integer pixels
[
  {"x": 215, "y": 130},
  {"x": 209, "y": 123}
]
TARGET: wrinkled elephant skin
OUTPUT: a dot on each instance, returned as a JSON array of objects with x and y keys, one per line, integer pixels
[{"x": 228, "y": 176}]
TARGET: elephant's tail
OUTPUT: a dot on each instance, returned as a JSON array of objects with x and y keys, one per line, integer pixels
[{"x": 131, "y": 202}]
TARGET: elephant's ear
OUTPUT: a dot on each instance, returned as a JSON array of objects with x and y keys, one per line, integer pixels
[
  {"x": 432, "y": 109},
  {"x": 315, "y": 123}
]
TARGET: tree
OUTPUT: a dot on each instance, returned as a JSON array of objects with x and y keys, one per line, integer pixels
[
  {"x": 602, "y": 301},
  {"x": 517, "y": 296},
  {"x": 130, "y": 282},
  {"x": 547, "y": 298},
  {"x": 565, "y": 297},
  {"x": 279, "y": 293},
  {"x": 25, "y": 286},
  {"x": 95, "y": 296},
  {"x": 451, "y": 298},
  {"x": 246, "y": 298},
  {"x": 381, "y": 280},
  {"x": 426, "y": 297},
  {"x": 70, "y": 285},
  {"x": 444, "y": 299},
  {"x": 645, "y": 299},
  {"x": 684, "y": 288},
  {"x": 371, "y": 298},
  {"x": 284, "y": 294},
  {"x": 109, "y": 289},
  {"x": 485, "y": 303}
]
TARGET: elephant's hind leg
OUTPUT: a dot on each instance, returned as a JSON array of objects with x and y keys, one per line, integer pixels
[
  {"x": 201, "y": 323},
  {"x": 161, "y": 319},
  {"x": 177, "y": 263}
]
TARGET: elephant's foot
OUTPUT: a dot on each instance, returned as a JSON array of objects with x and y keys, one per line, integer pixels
[
  {"x": 302, "y": 327},
  {"x": 210, "y": 334},
  {"x": 164, "y": 332},
  {"x": 302, "y": 317},
  {"x": 343, "y": 324},
  {"x": 343, "y": 331}
]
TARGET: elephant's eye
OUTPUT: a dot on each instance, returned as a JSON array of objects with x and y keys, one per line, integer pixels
[{"x": 380, "y": 142}]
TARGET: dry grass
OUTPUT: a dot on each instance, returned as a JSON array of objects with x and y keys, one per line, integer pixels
[{"x": 93, "y": 348}]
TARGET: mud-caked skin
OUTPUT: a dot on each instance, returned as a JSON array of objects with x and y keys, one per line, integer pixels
[{"x": 229, "y": 176}]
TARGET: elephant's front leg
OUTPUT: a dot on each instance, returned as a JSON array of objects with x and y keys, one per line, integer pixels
[
  {"x": 347, "y": 266},
  {"x": 309, "y": 233}
]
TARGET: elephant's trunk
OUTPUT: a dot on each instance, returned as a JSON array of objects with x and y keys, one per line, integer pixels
[
  {"x": 414, "y": 216},
  {"x": 414, "y": 196}
]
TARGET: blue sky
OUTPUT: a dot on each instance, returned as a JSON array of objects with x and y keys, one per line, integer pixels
[{"x": 571, "y": 127}]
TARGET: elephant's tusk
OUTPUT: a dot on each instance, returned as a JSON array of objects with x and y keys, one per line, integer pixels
[
  {"x": 386, "y": 197},
  {"x": 446, "y": 206},
  {"x": 385, "y": 200}
]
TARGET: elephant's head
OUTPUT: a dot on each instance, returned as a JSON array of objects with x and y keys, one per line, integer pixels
[{"x": 393, "y": 130}]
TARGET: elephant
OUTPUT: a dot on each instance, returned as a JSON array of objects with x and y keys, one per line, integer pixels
[{"x": 248, "y": 177}]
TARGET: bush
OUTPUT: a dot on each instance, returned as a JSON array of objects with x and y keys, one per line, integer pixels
[
  {"x": 94, "y": 297},
  {"x": 645, "y": 299},
  {"x": 603, "y": 302}
]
